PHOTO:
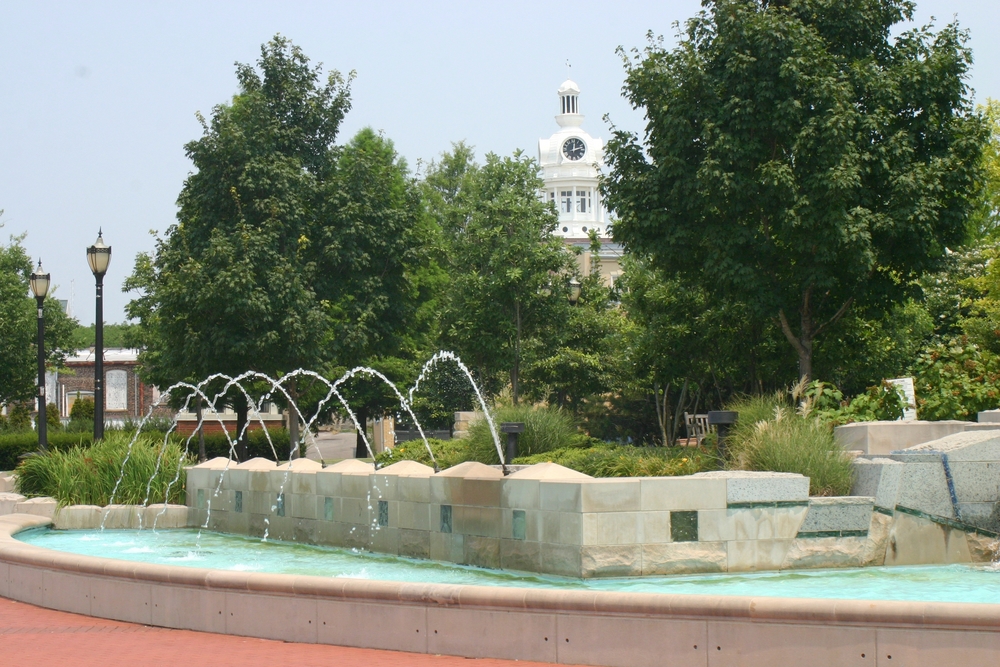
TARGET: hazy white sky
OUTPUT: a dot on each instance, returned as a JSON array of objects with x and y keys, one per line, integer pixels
[{"x": 98, "y": 98}]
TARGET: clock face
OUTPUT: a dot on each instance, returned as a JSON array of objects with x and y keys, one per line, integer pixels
[{"x": 574, "y": 149}]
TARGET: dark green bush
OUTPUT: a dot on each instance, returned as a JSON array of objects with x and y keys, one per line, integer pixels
[
  {"x": 18, "y": 418},
  {"x": 82, "y": 410},
  {"x": 88, "y": 475},
  {"x": 447, "y": 453},
  {"x": 611, "y": 460},
  {"x": 14, "y": 445},
  {"x": 52, "y": 421},
  {"x": 216, "y": 444}
]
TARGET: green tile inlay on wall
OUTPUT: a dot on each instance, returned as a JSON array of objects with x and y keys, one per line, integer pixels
[
  {"x": 768, "y": 505},
  {"x": 281, "y": 504},
  {"x": 239, "y": 501},
  {"x": 446, "y": 518},
  {"x": 831, "y": 533},
  {"x": 201, "y": 499},
  {"x": 520, "y": 525},
  {"x": 684, "y": 526},
  {"x": 383, "y": 513},
  {"x": 328, "y": 508}
]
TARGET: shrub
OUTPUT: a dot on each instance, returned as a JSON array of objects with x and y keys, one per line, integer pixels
[
  {"x": 216, "y": 444},
  {"x": 545, "y": 430},
  {"x": 80, "y": 426},
  {"x": 611, "y": 460},
  {"x": 883, "y": 401},
  {"x": 82, "y": 410},
  {"x": 788, "y": 442},
  {"x": 447, "y": 453},
  {"x": 52, "y": 421},
  {"x": 18, "y": 418},
  {"x": 15, "y": 445},
  {"x": 88, "y": 475},
  {"x": 151, "y": 425},
  {"x": 956, "y": 380}
]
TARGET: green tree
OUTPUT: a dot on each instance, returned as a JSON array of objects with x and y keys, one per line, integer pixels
[
  {"x": 688, "y": 349},
  {"x": 797, "y": 159},
  {"x": 580, "y": 358},
  {"x": 509, "y": 272},
  {"x": 984, "y": 223},
  {"x": 289, "y": 251},
  {"x": 18, "y": 327},
  {"x": 115, "y": 335}
]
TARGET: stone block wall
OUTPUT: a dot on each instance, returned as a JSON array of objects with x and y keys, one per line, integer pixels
[{"x": 543, "y": 518}]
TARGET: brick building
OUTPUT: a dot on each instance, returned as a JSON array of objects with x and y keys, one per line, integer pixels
[{"x": 125, "y": 395}]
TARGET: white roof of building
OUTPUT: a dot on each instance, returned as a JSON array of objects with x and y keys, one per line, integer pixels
[
  {"x": 568, "y": 86},
  {"x": 110, "y": 354}
]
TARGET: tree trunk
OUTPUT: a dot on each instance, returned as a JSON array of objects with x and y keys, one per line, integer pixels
[
  {"x": 808, "y": 331},
  {"x": 360, "y": 451},
  {"x": 661, "y": 409},
  {"x": 678, "y": 412},
  {"x": 202, "y": 457},
  {"x": 293, "y": 420},
  {"x": 242, "y": 432}
]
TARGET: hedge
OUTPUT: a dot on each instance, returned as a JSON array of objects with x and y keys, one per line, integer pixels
[
  {"x": 216, "y": 444},
  {"x": 15, "y": 445}
]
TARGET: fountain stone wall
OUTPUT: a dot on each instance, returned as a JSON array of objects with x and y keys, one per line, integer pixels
[{"x": 552, "y": 520}]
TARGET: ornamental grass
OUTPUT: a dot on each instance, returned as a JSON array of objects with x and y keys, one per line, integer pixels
[
  {"x": 771, "y": 436},
  {"x": 84, "y": 475}
]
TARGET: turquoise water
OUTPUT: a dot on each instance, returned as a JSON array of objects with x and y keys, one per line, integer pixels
[{"x": 941, "y": 583}]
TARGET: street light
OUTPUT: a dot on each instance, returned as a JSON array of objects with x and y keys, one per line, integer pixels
[
  {"x": 99, "y": 256},
  {"x": 40, "y": 288},
  {"x": 574, "y": 291}
]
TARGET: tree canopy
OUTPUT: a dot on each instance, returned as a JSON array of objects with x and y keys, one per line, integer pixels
[
  {"x": 289, "y": 251},
  {"x": 797, "y": 158},
  {"x": 18, "y": 327},
  {"x": 509, "y": 272}
]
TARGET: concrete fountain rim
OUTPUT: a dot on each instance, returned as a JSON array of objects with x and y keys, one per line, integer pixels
[{"x": 891, "y": 613}]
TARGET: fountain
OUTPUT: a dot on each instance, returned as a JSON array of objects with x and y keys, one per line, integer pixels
[{"x": 543, "y": 564}]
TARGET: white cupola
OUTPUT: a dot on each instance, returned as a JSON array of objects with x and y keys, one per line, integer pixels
[
  {"x": 570, "y": 161},
  {"x": 569, "y": 105}
]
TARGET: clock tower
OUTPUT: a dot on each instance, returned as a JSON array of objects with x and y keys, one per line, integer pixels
[{"x": 571, "y": 161}]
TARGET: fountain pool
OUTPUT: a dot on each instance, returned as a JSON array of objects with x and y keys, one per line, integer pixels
[
  {"x": 176, "y": 581},
  {"x": 204, "y": 549}
]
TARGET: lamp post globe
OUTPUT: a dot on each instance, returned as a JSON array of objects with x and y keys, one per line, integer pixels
[
  {"x": 574, "y": 291},
  {"x": 39, "y": 282},
  {"x": 99, "y": 256}
]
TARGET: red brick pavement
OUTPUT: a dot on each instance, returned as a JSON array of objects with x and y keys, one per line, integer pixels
[{"x": 35, "y": 637}]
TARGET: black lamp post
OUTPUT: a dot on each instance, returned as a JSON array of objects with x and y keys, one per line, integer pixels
[
  {"x": 574, "y": 291},
  {"x": 40, "y": 287},
  {"x": 99, "y": 256}
]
